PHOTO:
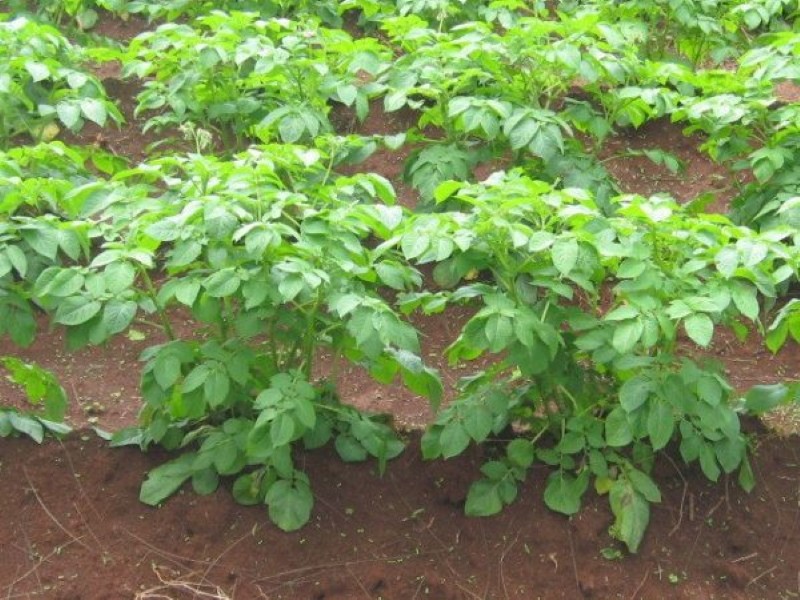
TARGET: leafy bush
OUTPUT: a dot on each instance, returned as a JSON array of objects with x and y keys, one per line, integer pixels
[
  {"x": 252, "y": 78},
  {"x": 269, "y": 255},
  {"x": 42, "y": 82},
  {"x": 582, "y": 312}
]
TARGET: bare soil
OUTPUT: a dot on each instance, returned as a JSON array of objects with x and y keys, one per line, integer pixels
[
  {"x": 73, "y": 527},
  {"x": 76, "y": 530}
]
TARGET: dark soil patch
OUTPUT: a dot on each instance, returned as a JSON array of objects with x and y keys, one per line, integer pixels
[{"x": 122, "y": 29}]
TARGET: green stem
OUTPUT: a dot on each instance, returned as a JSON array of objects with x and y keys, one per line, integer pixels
[
  {"x": 273, "y": 346},
  {"x": 329, "y": 170},
  {"x": 153, "y": 294},
  {"x": 567, "y": 393},
  {"x": 309, "y": 339},
  {"x": 224, "y": 314},
  {"x": 544, "y": 312}
]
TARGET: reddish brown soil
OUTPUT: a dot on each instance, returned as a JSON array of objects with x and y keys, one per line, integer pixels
[
  {"x": 77, "y": 531},
  {"x": 639, "y": 175},
  {"x": 74, "y": 529}
]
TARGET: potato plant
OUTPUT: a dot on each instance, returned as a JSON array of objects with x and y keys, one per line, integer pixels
[
  {"x": 267, "y": 254},
  {"x": 43, "y": 83},
  {"x": 597, "y": 389},
  {"x": 253, "y": 79}
]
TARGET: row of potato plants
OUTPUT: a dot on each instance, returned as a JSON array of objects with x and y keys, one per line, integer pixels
[
  {"x": 694, "y": 28},
  {"x": 519, "y": 92},
  {"x": 580, "y": 296},
  {"x": 274, "y": 256},
  {"x": 482, "y": 94}
]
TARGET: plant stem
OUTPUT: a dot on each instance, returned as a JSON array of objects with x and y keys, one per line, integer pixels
[
  {"x": 309, "y": 339},
  {"x": 153, "y": 294}
]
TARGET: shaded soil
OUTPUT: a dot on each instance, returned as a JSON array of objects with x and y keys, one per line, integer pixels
[
  {"x": 639, "y": 175},
  {"x": 74, "y": 529},
  {"x": 78, "y": 532}
]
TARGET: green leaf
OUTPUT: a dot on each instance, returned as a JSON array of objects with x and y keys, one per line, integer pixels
[
  {"x": 626, "y": 335},
  {"x": 746, "y": 478},
  {"x": 745, "y": 299},
  {"x": 478, "y": 422},
  {"x": 305, "y": 412},
  {"x": 17, "y": 259},
  {"x": 453, "y": 439},
  {"x": 631, "y": 268},
  {"x": 499, "y": 332},
  {"x": 319, "y": 435},
  {"x": 430, "y": 442},
  {"x": 43, "y": 240},
  {"x": 709, "y": 390},
  {"x": 76, "y": 310},
  {"x": 565, "y": 254},
  {"x": 216, "y": 386},
  {"x": 165, "y": 480},
  {"x": 86, "y": 18},
  {"x": 644, "y": 485},
  {"x": 727, "y": 260},
  {"x": 118, "y": 314},
  {"x": 660, "y": 424},
  {"x": 763, "y": 398},
  {"x": 30, "y": 426},
  {"x": 164, "y": 230},
  {"x": 195, "y": 378},
  {"x": 730, "y": 452},
  {"x": 623, "y": 313},
  {"x": 347, "y": 93},
  {"x": 37, "y": 70},
  {"x": 564, "y": 492},
  {"x": 69, "y": 114},
  {"x": 94, "y": 110},
  {"x": 291, "y": 128},
  {"x": 483, "y": 499},
  {"x": 59, "y": 282},
  {"x": 708, "y": 462},
  {"x": 349, "y": 448},
  {"x": 446, "y": 189},
  {"x": 247, "y": 490},
  {"x": 634, "y": 392},
  {"x": 226, "y": 457},
  {"x": 184, "y": 253},
  {"x": 290, "y": 502},
  {"x": 290, "y": 286},
  {"x": 222, "y": 283},
  {"x": 618, "y": 429},
  {"x": 777, "y": 336},
  {"x": 5, "y": 423},
  {"x": 631, "y": 514},
  {"x": 700, "y": 328},
  {"x": 282, "y": 429},
  {"x": 572, "y": 442},
  {"x": 166, "y": 369},
  {"x": 186, "y": 292},
  {"x": 119, "y": 276},
  {"x": 423, "y": 381},
  {"x": 520, "y": 134},
  {"x": 205, "y": 482},
  {"x": 521, "y": 452}
]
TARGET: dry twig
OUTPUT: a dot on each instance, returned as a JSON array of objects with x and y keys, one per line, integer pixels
[{"x": 197, "y": 590}]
